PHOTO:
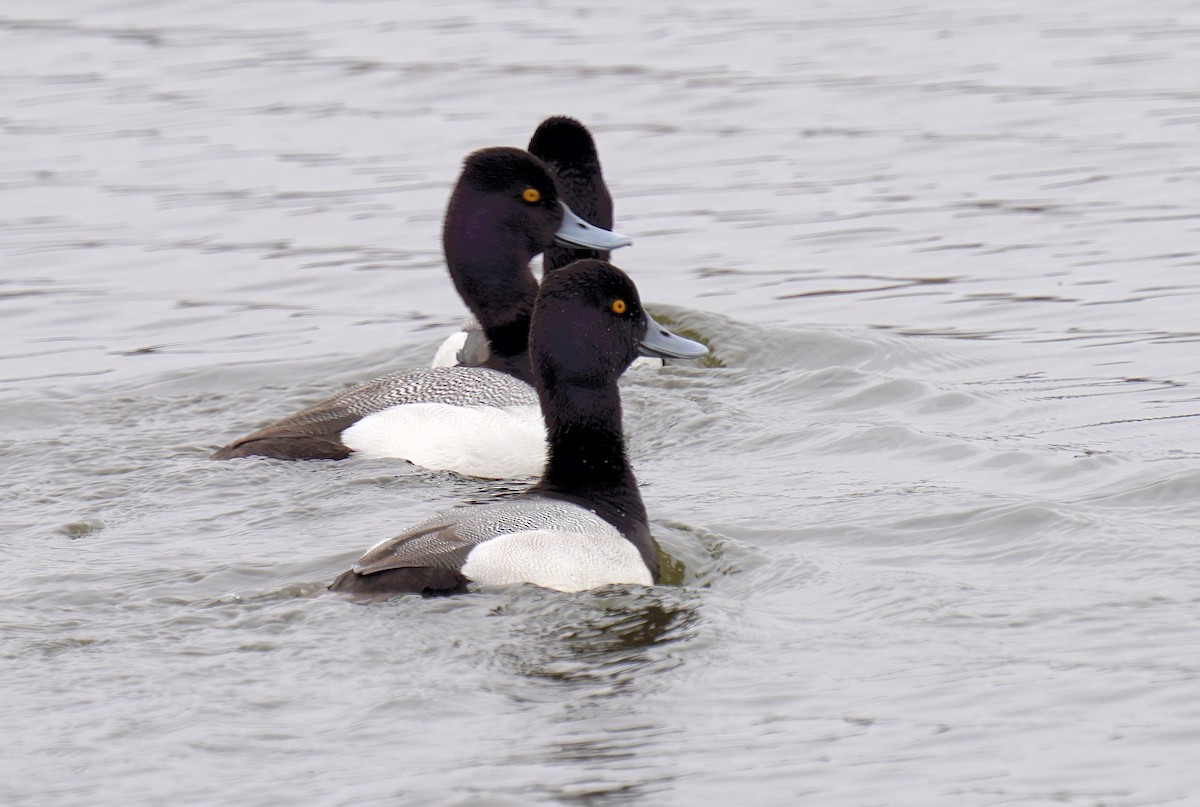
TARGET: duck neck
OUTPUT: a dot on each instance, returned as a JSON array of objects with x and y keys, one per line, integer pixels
[
  {"x": 491, "y": 273},
  {"x": 500, "y": 295},
  {"x": 587, "y": 447},
  {"x": 509, "y": 348},
  {"x": 507, "y": 329}
]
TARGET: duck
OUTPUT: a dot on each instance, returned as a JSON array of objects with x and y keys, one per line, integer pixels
[
  {"x": 583, "y": 525},
  {"x": 480, "y": 421},
  {"x": 568, "y": 149}
]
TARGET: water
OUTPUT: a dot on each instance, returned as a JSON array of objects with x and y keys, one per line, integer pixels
[{"x": 936, "y": 501}]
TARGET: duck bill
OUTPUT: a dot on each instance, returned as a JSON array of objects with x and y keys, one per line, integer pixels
[
  {"x": 662, "y": 344},
  {"x": 575, "y": 232}
]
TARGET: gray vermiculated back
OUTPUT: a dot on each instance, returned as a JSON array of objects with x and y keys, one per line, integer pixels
[
  {"x": 478, "y": 524},
  {"x": 456, "y": 386}
]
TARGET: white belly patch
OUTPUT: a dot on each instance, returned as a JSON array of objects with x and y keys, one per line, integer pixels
[
  {"x": 484, "y": 441},
  {"x": 563, "y": 561}
]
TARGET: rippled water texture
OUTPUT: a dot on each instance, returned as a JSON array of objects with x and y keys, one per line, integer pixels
[{"x": 934, "y": 505}]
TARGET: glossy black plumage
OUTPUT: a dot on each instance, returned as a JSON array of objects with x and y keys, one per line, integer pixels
[{"x": 568, "y": 149}]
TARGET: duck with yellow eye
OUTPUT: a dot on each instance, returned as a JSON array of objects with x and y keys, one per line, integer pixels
[
  {"x": 583, "y": 525},
  {"x": 480, "y": 420}
]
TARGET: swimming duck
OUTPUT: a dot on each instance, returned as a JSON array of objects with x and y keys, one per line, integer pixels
[
  {"x": 478, "y": 421},
  {"x": 583, "y": 525}
]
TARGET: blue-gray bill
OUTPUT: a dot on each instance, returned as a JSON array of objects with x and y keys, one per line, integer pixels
[
  {"x": 575, "y": 232},
  {"x": 661, "y": 343}
]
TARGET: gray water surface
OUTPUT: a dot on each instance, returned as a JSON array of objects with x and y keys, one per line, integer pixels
[{"x": 935, "y": 498}]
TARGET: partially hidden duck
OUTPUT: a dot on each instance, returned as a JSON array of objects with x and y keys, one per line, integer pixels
[{"x": 478, "y": 421}]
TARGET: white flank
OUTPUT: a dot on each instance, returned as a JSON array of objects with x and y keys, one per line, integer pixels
[
  {"x": 484, "y": 441},
  {"x": 447, "y": 353},
  {"x": 563, "y": 561},
  {"x": 475, "y": 441}
]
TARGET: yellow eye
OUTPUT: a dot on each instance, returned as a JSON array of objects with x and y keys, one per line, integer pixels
[
  {"x": 531, "y": 195},
  {"x": 618, "y": 307}
]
